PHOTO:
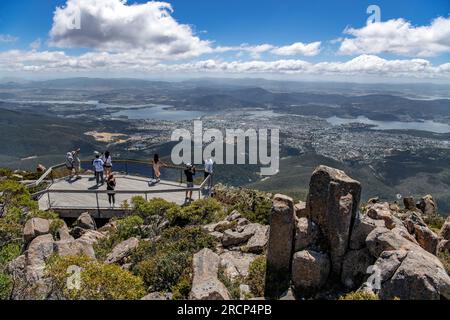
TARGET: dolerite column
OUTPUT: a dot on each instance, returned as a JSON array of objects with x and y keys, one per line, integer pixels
[{"x": 280, "y": 247}]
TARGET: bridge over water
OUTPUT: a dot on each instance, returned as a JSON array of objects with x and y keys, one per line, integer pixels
[{"x": 71, "y": 197}]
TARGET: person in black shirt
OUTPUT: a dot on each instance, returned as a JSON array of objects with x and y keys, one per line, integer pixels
[
  {"x": 111, "y": 186},
  {"x": 190, "y": 173}
]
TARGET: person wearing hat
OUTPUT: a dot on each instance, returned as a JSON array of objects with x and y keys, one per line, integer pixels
[{"x": 190, "y": 173}]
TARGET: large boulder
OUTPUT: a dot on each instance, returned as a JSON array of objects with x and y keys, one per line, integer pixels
[
  {"x": 258, "y": 242},
  {"x": 443, "y": 247},
  {"x": 72, "y": 247},
  {"x": 310, "y": 270},
  {"x": 382, "y": 211},
  {"x": 236, "y": 264},
  {"x": 411, "y": 275},
  {"x": 354, "y": 267},
  {"x": 409, "y": 203},
  {"x": 122, "y": 250},
  {"x": 306, "y": 234},
  {"x": 362, "y": 227},
  {"x": 38, "y": 252},
  {"x": 234, "y": 238},
  {"x": 85, "y": 221},
  {"x": 426, "y": 238},
  {"x": 445, "y": 230},
  {"x": 280, "y": 247},
  {"x": 300, "y": 210},
  {"x": 332, "y": 203},
  {"x": 382, "y": 239},
  {"x": 35, "y": 227},
  {"x": 428, "y": 206},
  {"x": 205, "y": 284}
]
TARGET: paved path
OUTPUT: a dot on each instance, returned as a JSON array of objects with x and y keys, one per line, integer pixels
[{"x": 89, "y": 201}]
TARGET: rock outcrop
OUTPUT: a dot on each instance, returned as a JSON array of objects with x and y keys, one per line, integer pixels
[
  {"x": 332, "y": 204},
  {"x": 280, "y": 247},
  {"x": 205, "y": 284},
  {"x": 35, "y": 227},
  {"x": 122, "y": 250},
  {"x": 310, "y": 271}
]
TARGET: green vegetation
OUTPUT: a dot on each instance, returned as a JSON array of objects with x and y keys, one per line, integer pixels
[
  {"x": 16, "y": 194},
  {"x": 257, "y": 276},
  {"x": 253, "y": 205},
  {"x": 445, "y": 259},
  {"x": 199, "y": 212},
  {"x": 435, "y": 223},
  {"x": 153, "y": 207},
  {"x": 359, "y": 295},
  {"x": 233, "y": 285},
  {"x": 5, "y": 286},
  {"x": 165, "y": 265},
  {"x": 127, "y": 227},
  {"x": 9, "y": 252},
  {"x": 98, "y": 281}
]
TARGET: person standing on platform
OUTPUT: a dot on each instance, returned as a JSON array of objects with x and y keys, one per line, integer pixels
[{"x": 98, "y": 169}]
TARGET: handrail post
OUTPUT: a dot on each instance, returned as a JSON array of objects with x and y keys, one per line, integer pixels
[
  {"x": 98, "y": 204},
  {"x": 49, "y": 202}
]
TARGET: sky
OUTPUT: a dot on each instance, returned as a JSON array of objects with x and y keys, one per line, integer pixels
[{"x": 403, "y": 41}]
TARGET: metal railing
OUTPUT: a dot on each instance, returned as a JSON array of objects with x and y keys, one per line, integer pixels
[{"x": 206, "y": 185}]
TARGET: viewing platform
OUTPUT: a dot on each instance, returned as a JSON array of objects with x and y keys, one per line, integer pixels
[{"x": 71, "y": 197}]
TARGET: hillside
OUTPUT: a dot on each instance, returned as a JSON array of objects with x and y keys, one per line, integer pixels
[{"x": 239, "y": 244}]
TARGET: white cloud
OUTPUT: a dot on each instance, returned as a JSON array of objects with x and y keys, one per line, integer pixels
[
  {"x": 114, "y": 25},
  {"x": 299, "y": 48},
  {"x": 136, "y": 63},
  {"x": 36, "y": 44},
  {"x": 7, "y": 38},
  {"x": 398, "y": 36},
  {"x": 295, "y": 49}
]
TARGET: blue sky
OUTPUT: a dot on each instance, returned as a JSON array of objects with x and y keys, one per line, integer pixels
[{"x": 230, "y": 24}]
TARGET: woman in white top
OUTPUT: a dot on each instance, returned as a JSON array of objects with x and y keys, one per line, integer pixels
[{"x": 107, "y": 163}]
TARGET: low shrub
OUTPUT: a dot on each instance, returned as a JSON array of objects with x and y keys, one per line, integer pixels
[
  {"x": 199, "y": 212},
  {"x": 9, "y": 252},
  {"x": 127, "y": 227},
  {"x": 10, "y": 232},
  {"x": 156, "y": 206},
  {"x": 6, "y": 286},
  {"x": 233, "y": 285},
  {"x": 130, "y": 226},
  {"x": 49, "y": 215},
  {"x": 55, "y": 225},
  {"x": 435, "y": 223},
  {"x": 252, "y": 204},
  {"x": 257, "y": 276},
  {"x": 360, "y": 295},
  {"x": 98, "y": 281},
  {"x": 165, "y": 263},
  {"x": 181, "y": 290},
  {"x": 15, "y": 194}
]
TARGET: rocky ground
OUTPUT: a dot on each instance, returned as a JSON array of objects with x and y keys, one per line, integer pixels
[{"x": 231, "y": 247}]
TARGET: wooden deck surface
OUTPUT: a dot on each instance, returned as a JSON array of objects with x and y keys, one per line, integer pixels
[{"x": 54, "y": 200}]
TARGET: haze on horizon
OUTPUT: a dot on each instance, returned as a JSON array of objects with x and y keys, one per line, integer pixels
[{"x": 174, "y": 40}]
